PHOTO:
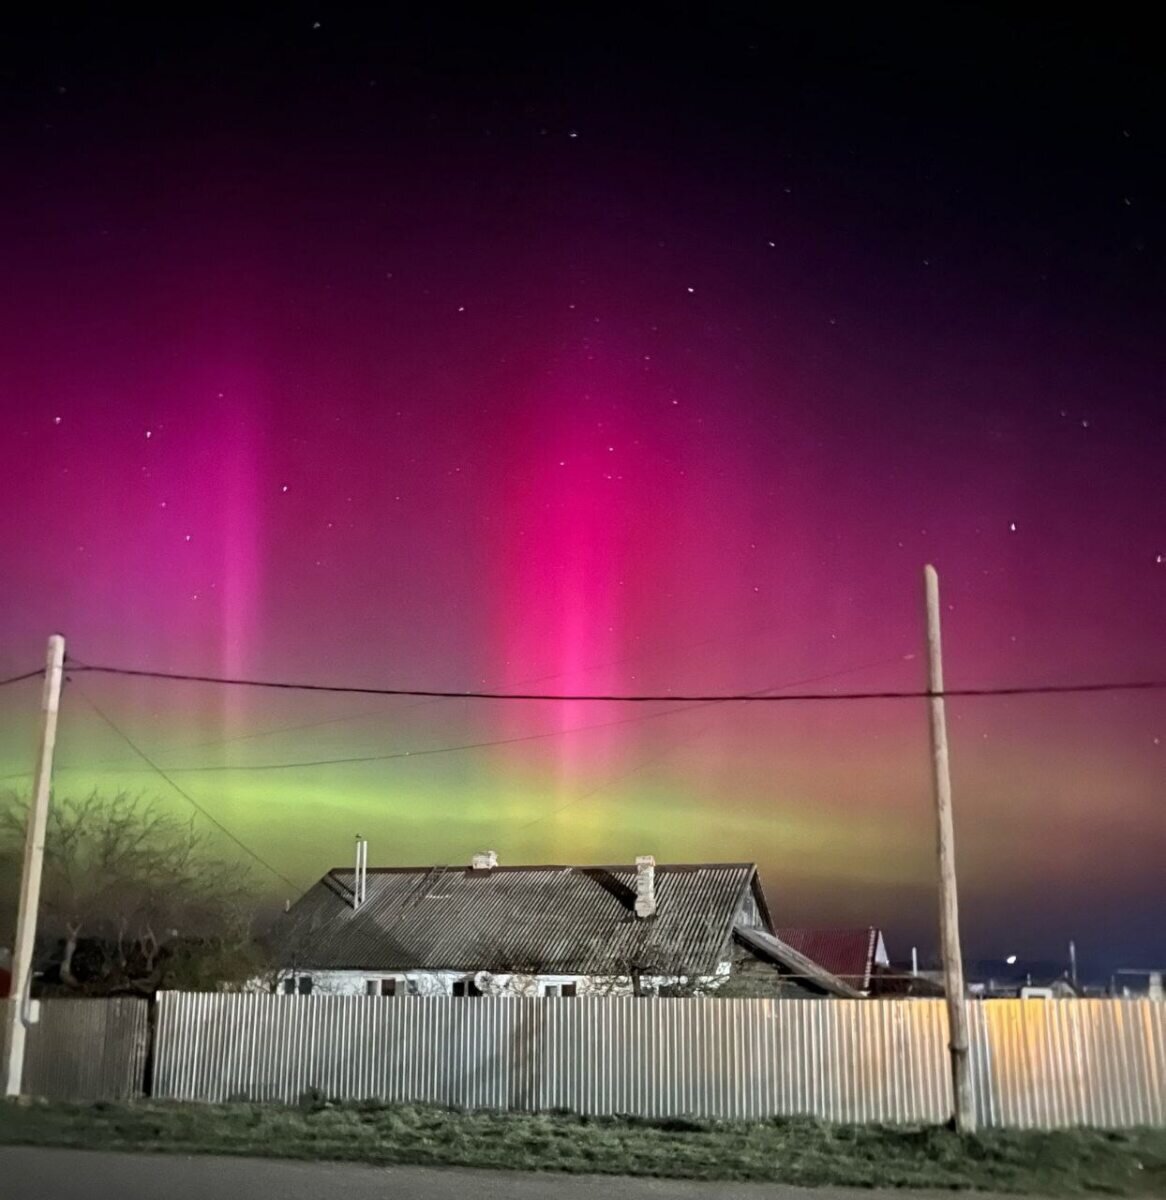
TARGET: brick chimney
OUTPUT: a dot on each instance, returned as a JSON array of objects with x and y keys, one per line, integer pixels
[
  {"x": 484, "y": 860},
  {"x": 645, "y": 886}
]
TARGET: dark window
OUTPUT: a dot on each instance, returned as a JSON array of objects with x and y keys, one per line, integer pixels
[
  {"x": 570, "y": 989},
  {"x": 305, "y": 982},
  {"x": 466, "y": 987},
  {"x": 388, "y": 987},
  {"x": 289, "y": 986}
]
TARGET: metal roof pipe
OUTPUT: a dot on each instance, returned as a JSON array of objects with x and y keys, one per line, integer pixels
[{"x": 360, "y": 877}]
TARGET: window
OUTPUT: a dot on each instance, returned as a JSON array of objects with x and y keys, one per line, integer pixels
[
  {"x": 570, "y": 989},
  {"x": 558, "y": 990},
  {"x": 380, "y": 987},
  {"x": 305, "y": 982},
  {"x": 289, "y": 986},
  {"x": 466, "y": 987}
]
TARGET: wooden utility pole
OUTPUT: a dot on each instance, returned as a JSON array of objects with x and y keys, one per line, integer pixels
[
  {"x": 949, "y": 923},
  {"x": 34, "y": 854}
]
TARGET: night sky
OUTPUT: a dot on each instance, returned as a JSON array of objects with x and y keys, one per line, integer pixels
[{"x": 606, "y": 354}]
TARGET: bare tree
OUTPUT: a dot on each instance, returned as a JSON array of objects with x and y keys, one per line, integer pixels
[{"x": 134, "y": 899}]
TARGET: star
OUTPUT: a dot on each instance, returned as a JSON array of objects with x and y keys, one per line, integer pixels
[
  {"x": 56, "y": 420},
  {"x": 188, "y": 537},
  {"x": 1012, "y": 526},
  {"x": 690, "y": 290},
  {"x": 284, "y": 488},
  {"x": 149, "y": 433}
]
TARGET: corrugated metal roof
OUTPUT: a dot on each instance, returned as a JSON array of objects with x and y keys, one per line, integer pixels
[
  {"x": 545, "y": 919},
  {"x": 847, "y": 953}
]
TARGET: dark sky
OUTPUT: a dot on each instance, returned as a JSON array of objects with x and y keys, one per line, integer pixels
[{"x": 620, "y": 352}]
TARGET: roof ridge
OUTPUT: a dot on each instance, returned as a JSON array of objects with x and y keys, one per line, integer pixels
[{"x": 867, "y": 929}]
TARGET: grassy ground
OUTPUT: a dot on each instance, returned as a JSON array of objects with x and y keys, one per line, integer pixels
[{"x": 780, "y": 1151}]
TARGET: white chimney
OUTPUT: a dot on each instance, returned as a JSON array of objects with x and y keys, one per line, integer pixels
[
  {"x": 645, "y": 886},
  {"x": 360, "y": 878},
  {"x": 484, "y": 860}
]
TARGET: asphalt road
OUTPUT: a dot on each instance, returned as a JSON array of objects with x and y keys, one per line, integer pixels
[{"x": 28, "y": 1173}]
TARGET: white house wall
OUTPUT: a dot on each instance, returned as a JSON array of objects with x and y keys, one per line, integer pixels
[{"x": 440, "y": 983}]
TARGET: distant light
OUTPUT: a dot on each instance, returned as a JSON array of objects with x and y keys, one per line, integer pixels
[{"x": 1011, "y": 959}]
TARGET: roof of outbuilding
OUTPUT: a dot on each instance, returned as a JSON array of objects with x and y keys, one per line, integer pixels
[
  {"x": 808, "y": 972},
  {"x": 847, "y": 953},
  {"x": 539, "y": 919}
]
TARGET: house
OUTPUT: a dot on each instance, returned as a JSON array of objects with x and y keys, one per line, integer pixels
[
  {"x": 1132, "y": 982},
  {"x": 555, "y": 931},
  {"x": 1026, "y": 979}
]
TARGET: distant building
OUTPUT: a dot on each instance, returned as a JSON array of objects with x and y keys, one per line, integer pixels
[
  {"x": 1140, "y": 981},
  {"x": 553, "y": 931}
]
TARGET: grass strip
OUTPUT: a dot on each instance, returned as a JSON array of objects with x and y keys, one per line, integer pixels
[{"x": 791, "y": 1151}]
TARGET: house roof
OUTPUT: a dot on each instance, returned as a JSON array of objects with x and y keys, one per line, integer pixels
[
  {"x": 539, "y": 919},
  {"x": 847, "y": 953}
]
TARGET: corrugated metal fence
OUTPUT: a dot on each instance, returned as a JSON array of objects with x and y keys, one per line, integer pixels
[
  {"x": 87, "y": 1049},
  {"x": 1036, "y": 1063}
]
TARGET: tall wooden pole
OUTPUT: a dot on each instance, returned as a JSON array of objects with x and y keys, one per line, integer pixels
[
  {"x": 949, "y": 923},
  {"x": 34, "y": 854}
]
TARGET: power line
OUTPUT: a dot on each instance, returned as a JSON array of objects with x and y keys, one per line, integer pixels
[
  {"x": 528, "y": 737},
  {"x": 1051, "y": 689},
  {"x": 75, "y": 664},
  {"x": 399, "y": 712},
  {"x": 426, "y": 752},
  {"x": 22, "y": 678},
  {"x": 184, "y": 794}
]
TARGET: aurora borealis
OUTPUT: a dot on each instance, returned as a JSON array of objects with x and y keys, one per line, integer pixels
[{"x": 376, "y": 351}]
